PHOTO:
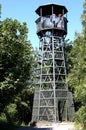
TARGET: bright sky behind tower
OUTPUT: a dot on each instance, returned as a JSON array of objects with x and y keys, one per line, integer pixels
[{"x": 24, "y": 11}]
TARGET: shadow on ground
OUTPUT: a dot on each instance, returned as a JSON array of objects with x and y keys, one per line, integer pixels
[{"x": 32, "y": 128}]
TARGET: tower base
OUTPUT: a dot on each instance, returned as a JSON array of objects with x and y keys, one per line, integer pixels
[{"x": 46, "y": 107}]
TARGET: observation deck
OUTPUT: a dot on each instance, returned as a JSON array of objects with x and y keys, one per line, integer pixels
[{"x": 52, "y": 18}]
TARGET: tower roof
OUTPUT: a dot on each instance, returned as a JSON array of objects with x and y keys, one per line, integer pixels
[{"x": 47, "y": 9}]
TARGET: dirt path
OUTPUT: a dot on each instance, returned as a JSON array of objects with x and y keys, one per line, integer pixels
[{"x": 54, "y": 126}]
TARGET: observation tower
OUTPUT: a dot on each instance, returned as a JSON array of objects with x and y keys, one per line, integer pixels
[{"x": 52, "y": 100}]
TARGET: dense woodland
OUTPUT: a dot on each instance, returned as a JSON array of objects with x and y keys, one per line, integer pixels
[{"x": 17, "y": 62}]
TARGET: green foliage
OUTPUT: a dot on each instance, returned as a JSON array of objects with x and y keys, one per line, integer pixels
[
  {"x": 68, "y": 49},
  {"x": 16, "y": 67},
  {"x": 0, "y": 10},
  {"x": 7, "y": 126},
  {"x": 24, "y": 104},
  {"x": 81, "y": 116},
  {"x": 11, "y": 113},
  {"x": 84, "y": 14},
  {"x": 77, "y": 57},
  {"x": 3, "y": 118},
  {"x": 77, "y": 75}
]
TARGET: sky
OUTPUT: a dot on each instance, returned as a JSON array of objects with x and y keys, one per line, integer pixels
[{"x": 24, "y": 11}]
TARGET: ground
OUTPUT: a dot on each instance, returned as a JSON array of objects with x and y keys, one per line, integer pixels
[
  {"x": 50, "y": 126},
  {"x": 57, "y": 126}
]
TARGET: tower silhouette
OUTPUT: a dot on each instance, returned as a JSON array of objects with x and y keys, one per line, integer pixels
[{"x": 52, "y": 100}]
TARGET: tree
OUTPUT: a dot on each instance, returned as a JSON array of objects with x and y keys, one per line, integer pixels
[
  {"x": 77, "y": 76},
  {"x": 68, "y": 48},
  {"x": 16, "y": 64}
]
